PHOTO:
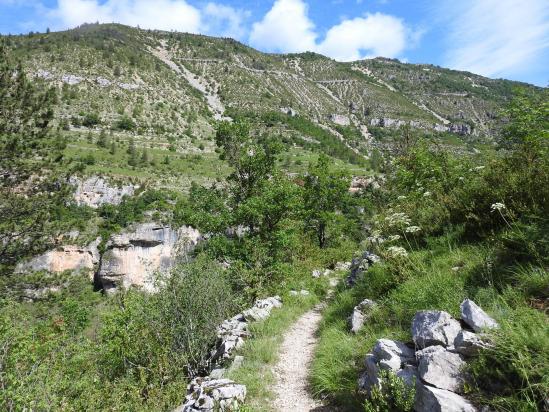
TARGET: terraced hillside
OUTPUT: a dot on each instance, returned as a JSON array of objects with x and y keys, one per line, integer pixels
[{"x": 164, "y": 91}]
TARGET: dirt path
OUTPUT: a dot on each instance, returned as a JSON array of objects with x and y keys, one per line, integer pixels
[{"x": 292, "y": 370}]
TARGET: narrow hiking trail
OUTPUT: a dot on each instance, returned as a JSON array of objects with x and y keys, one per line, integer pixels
[{"x": 292, "y": 369}]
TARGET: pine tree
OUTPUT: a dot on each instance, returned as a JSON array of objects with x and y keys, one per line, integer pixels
[
  {"x": 30, "y": 153},
  {"x": 144, "y": 157},
  {"x": 132, "y": 152},
  {"x": 102, "y": 140}
]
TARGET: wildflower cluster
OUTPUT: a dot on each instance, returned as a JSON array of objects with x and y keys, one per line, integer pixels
[
  {"x": 412, "y": 229},
  {"x": 398, "y": 219},
  {"x": 497, "y": 207},
  {"x": 397, "y": 252}
]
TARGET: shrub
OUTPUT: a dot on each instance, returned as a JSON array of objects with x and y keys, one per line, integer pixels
[
  {"x": 392, "y": 395},
  {"x": 125, "y": 123},
  {"x": 91, "y": 120}
]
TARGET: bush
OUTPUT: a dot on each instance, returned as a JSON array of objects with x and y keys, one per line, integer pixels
[
  {"x": 393, "y": 395},
  {"x": 125, "y": 123},
  {"x": 91, "y": 120}
]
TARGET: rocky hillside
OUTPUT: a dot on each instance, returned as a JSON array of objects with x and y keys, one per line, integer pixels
[{"x": 169, "y": 87}]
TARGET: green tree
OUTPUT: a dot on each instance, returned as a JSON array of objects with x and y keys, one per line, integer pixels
[
  {"x": 326, "y": 193},
  {"x": 30, "y": 153},
  {"x": 144, "y": 157},
  {"x": 113, "y": 148},
  {"x": 102, "y": 140},
  {"x": 252, "y": 160},
  {"x": 132, "y": 152}
]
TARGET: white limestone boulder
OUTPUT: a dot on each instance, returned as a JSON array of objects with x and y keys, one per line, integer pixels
[{"x": 432, "y": 327}]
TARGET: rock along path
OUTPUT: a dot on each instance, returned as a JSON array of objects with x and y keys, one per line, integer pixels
[{"x": 292, "y": 370}]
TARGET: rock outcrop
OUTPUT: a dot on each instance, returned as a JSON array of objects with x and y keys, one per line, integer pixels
[
  {"x": 64, "y": 258},
  {"x": 96, "y": 191},
  {"x": 133, "y": 257},
  {"x": 340, "y": 119},
  {"x": 436, "y": 369},
  {"x": 209, "y": 395}
]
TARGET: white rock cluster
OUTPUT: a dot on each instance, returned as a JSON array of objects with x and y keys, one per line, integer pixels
[
  {"x": 208, "y": 395},
  {"x": 214, "y": 393},
  {"x": 232, "y": 332},
  {"x": 96, "y": 191},
  {"x": 435, "y": 363}
]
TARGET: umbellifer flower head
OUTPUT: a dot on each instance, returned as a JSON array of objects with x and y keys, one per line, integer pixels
[{"x": 498, "y": 206}]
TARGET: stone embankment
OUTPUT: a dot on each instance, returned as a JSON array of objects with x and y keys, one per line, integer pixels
[{"x": 213, "y": 392}]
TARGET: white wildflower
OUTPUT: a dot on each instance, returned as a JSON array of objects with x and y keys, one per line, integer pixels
[
  {"x": 479, "y": 168},
  {"x": 498, "y": 206},
  {"x": 398, "y": 219},
  {"x": 401, "y": 197},
  {"x": 393, "y": 238},
  {"x": 426, "y": 194},
  {"x": 413, "y": 229},
  {"x": 397, "y": 251}
]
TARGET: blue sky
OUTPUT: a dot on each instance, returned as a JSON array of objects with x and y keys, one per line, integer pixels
[{"x": 495, "y": 38}]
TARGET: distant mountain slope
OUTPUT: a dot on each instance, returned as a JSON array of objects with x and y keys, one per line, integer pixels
[{"x": 174, "y": 85}]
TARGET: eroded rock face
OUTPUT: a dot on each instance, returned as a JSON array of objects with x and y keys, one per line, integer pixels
[
  {"x": 133, "y": 257},
  {"x": 208, "y": 395},
  {"x": 475, "y": 317},
  {"x": 433, "y": 327},
  {"x": 340, "y": 119},
  {"x": 64, "y": 258},
  {"x": 96, "y": 191}
]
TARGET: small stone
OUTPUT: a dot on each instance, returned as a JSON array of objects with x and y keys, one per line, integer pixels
[
  {"x": 360, "y": 314},
  {"x": 475, "y": 317},
  {"x": 432, "y": 327}
]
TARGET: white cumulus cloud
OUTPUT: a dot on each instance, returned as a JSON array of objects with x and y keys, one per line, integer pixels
[
  {"x": 176, "y": 15},
  {"x": 287, "y": 28},
  {"x": 496, "y": 37},
  {"x": 374, "y": 35}
]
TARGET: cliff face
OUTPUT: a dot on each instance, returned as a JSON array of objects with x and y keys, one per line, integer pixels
[
  {"x": 133, "y": 257},
  {"x": 65, "y": 258},
  {"x": 96, "y": 191}
]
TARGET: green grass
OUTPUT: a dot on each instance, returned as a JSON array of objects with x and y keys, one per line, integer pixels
[
  {"x": 428, "y": 281},
  {"x": 261, "y": 351}
]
